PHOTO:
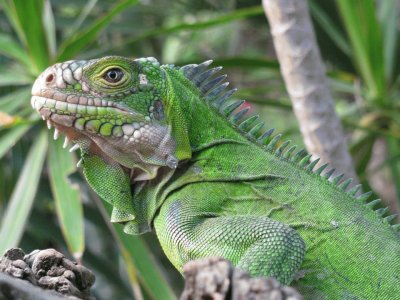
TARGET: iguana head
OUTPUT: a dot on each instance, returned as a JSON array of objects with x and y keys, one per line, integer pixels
[{"x": 109, "y": 106}]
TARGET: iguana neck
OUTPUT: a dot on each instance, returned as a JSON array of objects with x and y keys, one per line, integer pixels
[{"x": 195, "y": 125}]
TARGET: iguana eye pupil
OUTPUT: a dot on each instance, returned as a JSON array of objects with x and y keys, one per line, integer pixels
[{"x": 113, "y": 75}]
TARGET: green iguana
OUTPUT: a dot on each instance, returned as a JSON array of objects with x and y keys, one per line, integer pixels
[{"x": 169, "y": 150}]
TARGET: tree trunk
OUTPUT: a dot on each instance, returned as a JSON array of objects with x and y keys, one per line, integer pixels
[
  {"x": 379, "y": 177},
  {"x": 304, "y": 75}
]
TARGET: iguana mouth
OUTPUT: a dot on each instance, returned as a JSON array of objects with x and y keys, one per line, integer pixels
[{"x": 83, "y": 114}]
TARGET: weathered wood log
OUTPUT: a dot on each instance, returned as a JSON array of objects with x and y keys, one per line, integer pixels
[
  {"x": 48, "y": 275},
  {"x": 215, "y": 278},
  {"x": 27, "y": 276}
]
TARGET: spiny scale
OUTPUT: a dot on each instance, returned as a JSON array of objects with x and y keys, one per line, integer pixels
[
  {"x": 373, "y": 203},
  {"x": 227, "y": 111},
  {"x": 345, "y": 184},
  {"x": 390, "y": 218},
  {"x": 79, "y": 163},
  {"x": 328, "y": 174},
  {"x": 218, "y": 103},
  {"x": 239, "y": 115},
  {"x": 364, "y": 197},
  {"x": 354, "y": 190},
  {"x": 396, "y": 227},
  {"x": 265, "y": 136},
  {"x": 254, "y": 132},
  {"x": 321, "y": 169},
  {"x": 247, "y": 124},
  {"x": 312, "y": 164},
  {"x": 282, "y": 147},
  {"x": 66, "y": 142},
  {"x": 209, "y": 85},
  {"x": 299, "y": 154},
  {"x": 215, "y": 92},
  {"x": 271, "y": 145},
  {"x": 212, "y": 91},
  {"x": 382, "y": 211},
  {"x": 191, "y": 71},
  {"x": 289, "y": 152},
  {"x": 305, "y": 160},
  {"x": 199, "y": 79},
  {"x": 74, "y": 148},
  {"x": 337, "y": 179},
  {"x": 56, "y": 134}
]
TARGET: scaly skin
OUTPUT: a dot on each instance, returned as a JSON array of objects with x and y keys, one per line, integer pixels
[{"x": 162, "y": 146}]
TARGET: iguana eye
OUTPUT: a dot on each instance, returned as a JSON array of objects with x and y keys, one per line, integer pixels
[{"x": 113, "y": 75}]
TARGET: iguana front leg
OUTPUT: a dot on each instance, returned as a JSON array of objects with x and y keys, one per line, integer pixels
[{"x": 260, "y": 245}]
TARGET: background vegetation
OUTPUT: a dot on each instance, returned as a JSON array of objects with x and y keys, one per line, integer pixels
[{"x": 43, "y": 200}]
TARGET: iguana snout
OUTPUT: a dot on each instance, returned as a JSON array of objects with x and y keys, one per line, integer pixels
[{"x": 63, "y": 97}]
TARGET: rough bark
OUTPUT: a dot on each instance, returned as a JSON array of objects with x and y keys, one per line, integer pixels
[
  {"x": 214, "y": 278},
  {"x": 379, "y": 177},
  {"x": 48, "y": 275},
  {"x": 47, "y": 269},
  {"x": 304, "y": 76},
  {"x": 12, "y": 288}
]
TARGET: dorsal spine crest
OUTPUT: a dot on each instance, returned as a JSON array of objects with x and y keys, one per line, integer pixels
[{"x": 211, "y": 90}]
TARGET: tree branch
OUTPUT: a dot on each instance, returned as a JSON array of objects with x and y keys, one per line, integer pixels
[
  {"x": 214, "y": 278},
  {"x": 304, "y": 75},
  {"x": 25, "y": 276}
]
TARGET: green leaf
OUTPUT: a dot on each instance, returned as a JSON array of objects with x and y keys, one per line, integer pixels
[
  {"x": 12, "y": 16},
  {"x": 388, "y": 11},
  {"x": 67, "y": 199},
  {"x": 8, "y": 140},
  {"x": 365, "y": 35},
  {"x": 83, "y": 15},
  {"x": 50, "y": 28},
  {"x": 330, "y": 27},
  {"x": 237, "y": 14},
  {"x": 20, "y": 204},
  {"x": 136, "y": 252},
  {"x": 12, "y": 76},
  {"x": 10, "y": 48},
  {"x": 78, "y": 41},
  {"x": 139, "y": 262},
  {"x": 361, "y": 151},
  {"x": 342, "y": 86},
  {"x": 11, "y": 102},
  {"x": 26, "y": 17}
]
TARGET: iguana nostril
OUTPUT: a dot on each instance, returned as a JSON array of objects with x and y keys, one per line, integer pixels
[{"x": 50, "y": 78}]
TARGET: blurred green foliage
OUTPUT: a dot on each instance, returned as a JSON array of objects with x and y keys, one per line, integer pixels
[{"x": 44, "y": 201}]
